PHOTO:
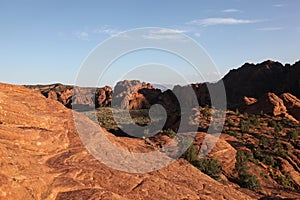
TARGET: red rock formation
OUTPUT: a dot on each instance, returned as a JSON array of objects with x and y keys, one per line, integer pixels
[
  {"x": 42, "y": 157},
  {"x": 84, "y": 96},
  {"x": 268, "y": 104},
  {"x": 255, "y": 80},
  {"x": 126, "y": 95},
  {"x": 292, "y": 104}
]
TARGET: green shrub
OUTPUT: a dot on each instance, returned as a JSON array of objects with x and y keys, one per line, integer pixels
[
  {"x": 264, "y": 142},
  {"x": 265, "y": 158},
  {"x": 244, "y": 126},
  {"x": 233, "y": 133},
  {"x": 241, "y": 164},
  {"x": 170, "y": 133},
  {"x": 280, "y": 151},
  {"x": 254, "y": 120},
  {"x": 272, "y": 123},
  {"x": 285, "y": 181},
  {"x": 211, "y": 167},
  {"x": 229, "y": 122},
  {"x": 245, "y": 179},
  {"x": 191, "y": 154},
  {"x": 292, "y": 135},
  {"x": 249, "y": 181},
  {"x": 264, "y": 174}
]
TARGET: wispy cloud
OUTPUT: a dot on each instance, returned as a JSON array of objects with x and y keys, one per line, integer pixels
[
  {"x": 220, "y": 21},
  {"x": 82, "y": 35},
  {"x": 197, "y": 34},
  {"x": 107, "y": 30},
  {"x": 232, "y": 10},
  {"x": 270, "y": 29},
  {"x": 89, "y": 34},
  {"x": 166, "y": 34},
  {"x": 278, "y": 5}
]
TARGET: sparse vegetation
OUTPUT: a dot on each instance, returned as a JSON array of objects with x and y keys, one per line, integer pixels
[
  {"x": 292, "y": 135},
  {"x": 254, "y": 120},
  {"x": 265, "y": 158},
  {"x": 191, "y": 154},
  {"x": 244, "y": 126},
  {"x": 169, "y": 132},
  {"x": 284, "y": 180},
  {"x": 245, "y": 179},
  {"x": 211, "y": 167},
  {"x": 229, "y": 122}
]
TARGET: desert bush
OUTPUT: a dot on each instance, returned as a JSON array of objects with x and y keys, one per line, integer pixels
[
  {"x": 241, "y": 164},
  {"x": 249, "y": 181},
  {"x": 229, "y": 122},
  {"x": 206, "y": 111},
  {"x": 264, "y": 174},
  {"x": 265, "y": 158},
  {"x": 211, "y": 167},
  {"x": 191, "y": 154},
  {"x": 265, "y": 142},
  {"x": 254, "y": 120},
  {"x": 272, "y": 123},
  {"x": 280, "y": 151},
  {"x": 285, "y": 181},
  {"x": 233, "y": 133},
  {"x": 245, "y": 179},
  {"x": 292, "y": 135},
  {"x": 244, "y": 126},
  {"x": 170, "y": 133}
]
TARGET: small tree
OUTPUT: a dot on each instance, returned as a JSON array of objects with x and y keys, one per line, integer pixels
[
  {"x": 191, "y": 154},
  {"x": 292, "y": 135},
  {"x": 244, "y": 126},
  {"x": 241, "y": 165},
  {"x": 249, "y": 181},
  {"x": 245, "y": 179},
  {"x": 211, "y": 167}
]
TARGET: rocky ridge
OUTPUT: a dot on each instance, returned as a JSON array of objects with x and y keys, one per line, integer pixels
[{"x": 42, "y": 157}]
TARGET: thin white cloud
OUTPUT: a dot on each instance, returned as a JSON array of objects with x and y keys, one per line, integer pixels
[
  {"x": 220, "y": 21},
  {"x": 166, "y": 34},
  {"x": 270, "y": 29},
  {"x": 172, "y": 31},
  {"x": 82, "y": 35},
  {"x": 197, "y": 34},
  {"x": 232, "y": 10},
  {"x": 106, "y": 30},
  {"x": 278, "y": 5}
]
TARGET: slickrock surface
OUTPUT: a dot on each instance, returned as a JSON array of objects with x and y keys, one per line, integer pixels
[{"x": 42, "y": 157}]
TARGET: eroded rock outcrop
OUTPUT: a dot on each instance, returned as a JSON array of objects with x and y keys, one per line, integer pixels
[
  {"x": 255, "y": 80},
  {"x": 71, "y": 96},
  {"x": 126, "y": 95},
  {"x": 42, "y": 157},
  {"x": 292, "y": 104},
  {"x": 267, "y": 104},
  {"x": 286, "y": 105}
]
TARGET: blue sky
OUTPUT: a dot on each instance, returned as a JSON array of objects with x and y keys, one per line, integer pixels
[{"x": 46, "y": 41}]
